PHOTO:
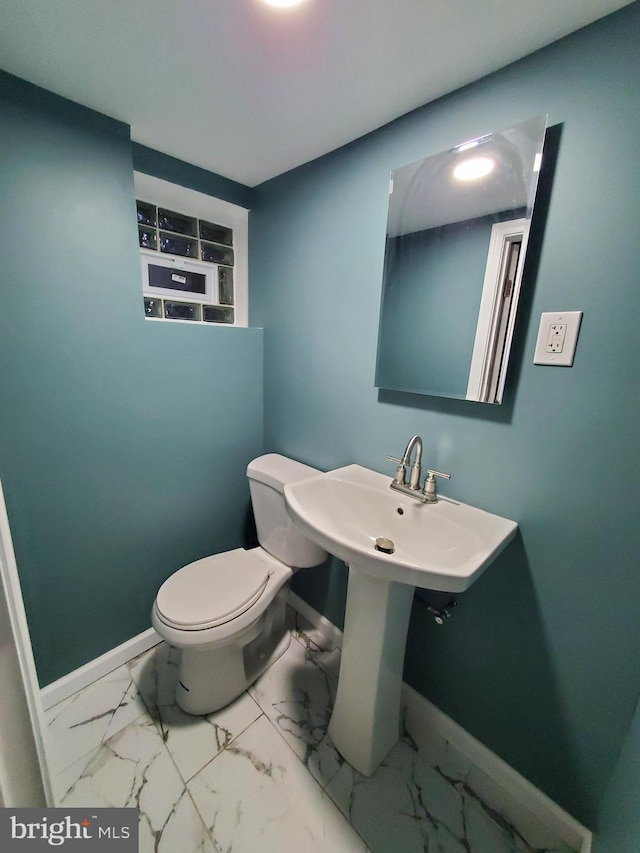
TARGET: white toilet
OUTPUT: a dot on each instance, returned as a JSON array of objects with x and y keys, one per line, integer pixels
[{"x": 227, "y": 612}]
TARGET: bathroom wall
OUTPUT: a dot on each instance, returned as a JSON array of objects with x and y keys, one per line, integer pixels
[
  {"x": 123, "y": 442},
  {"x": 175, "y": 171},
  {"x": 541, "y": 659},
  {"x": 620, "y": 818}
]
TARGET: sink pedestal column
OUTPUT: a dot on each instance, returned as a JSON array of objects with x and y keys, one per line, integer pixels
[{"x": 365, "y": 723}]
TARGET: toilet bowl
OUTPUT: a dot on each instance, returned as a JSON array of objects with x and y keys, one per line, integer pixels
[{"x": 226, "y": 612}]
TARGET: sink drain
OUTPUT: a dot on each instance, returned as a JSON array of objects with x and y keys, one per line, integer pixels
[{"x": 387, "y": 546}]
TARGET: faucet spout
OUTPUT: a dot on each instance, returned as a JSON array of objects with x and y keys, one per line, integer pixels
[
  {"x": 414, "y": 441},
  {"x": 414, "y": 478}
]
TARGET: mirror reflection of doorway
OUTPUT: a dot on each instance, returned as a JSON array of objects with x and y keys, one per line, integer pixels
[{"x": 496, "y": 319}]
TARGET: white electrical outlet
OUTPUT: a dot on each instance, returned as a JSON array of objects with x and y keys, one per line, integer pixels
[
  {"x": 557, "y": 338},
  {"x": 557, "y": 334}
]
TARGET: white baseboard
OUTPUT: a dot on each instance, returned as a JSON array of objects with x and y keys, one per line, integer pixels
[
  {"x": 69, "y": 684},
  {"x": 519, "y": 801}
]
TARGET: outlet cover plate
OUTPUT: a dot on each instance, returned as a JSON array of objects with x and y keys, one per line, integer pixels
[{"x": 557, "y": 330}]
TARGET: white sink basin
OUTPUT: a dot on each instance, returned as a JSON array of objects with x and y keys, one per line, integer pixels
[{"x": 441, "y": 546}]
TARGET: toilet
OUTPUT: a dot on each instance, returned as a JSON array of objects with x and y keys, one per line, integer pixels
[{"x": 226, "y": 612}]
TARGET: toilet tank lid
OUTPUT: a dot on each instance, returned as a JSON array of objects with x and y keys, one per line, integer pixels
[{"x": 276, "y": 470}]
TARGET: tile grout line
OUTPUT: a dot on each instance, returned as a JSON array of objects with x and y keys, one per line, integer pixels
[{"x": 322, "y": 788}]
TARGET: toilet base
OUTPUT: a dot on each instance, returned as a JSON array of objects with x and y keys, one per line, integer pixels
[{"x": 210, "y": 678}]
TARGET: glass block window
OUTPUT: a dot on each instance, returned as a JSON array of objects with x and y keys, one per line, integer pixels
[
  {"x": 177, "y": 233},
  {"x": 147, "y": 237},
  {"x": 216, "y": 254},
  {"x": 212, "y": 314},
  {"x": 152, "y": 307},
  {"x": 146, "y": 214},
  {"x": 182, "y": 310},
  {"x": 173, "y": 244},
  {"x": 178, "y": 222},
  {"x": 187, "y": 266},
  {"x": 215, "y": 233},
  {"x": 225, "y": 285}
]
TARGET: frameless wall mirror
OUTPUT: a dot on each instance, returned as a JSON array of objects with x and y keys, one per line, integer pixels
[{"x": 457, "y": 233}]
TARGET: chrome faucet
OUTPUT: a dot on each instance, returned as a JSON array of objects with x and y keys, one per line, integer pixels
[
  {"x": 428, "y": 493},
  {"x": 416, "y": 469}
]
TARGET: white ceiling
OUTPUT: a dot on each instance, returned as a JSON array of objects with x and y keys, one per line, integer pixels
[{"x": 249, "y": 91}]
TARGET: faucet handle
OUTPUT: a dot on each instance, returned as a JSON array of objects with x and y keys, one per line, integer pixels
[
  {"x": 401, "y": 470},
  {"x": 429, "y": 490},
  {"x": 431, "y": 473}
]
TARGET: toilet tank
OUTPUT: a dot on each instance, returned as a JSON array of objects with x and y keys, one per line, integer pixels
[{"x": 277, "y": 534}]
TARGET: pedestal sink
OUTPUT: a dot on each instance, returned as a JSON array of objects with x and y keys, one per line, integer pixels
[{"x": 441, "y": 546}]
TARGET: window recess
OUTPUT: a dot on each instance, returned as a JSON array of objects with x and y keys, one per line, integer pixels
[{"x": 193, "y": 254}]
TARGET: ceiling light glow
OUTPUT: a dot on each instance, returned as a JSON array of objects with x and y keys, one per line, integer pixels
[
  {"x": 283, "y": 3},
  {"x": 474, "y": 168}
]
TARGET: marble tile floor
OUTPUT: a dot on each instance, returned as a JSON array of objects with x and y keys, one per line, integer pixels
[{"x": 262, "y": 774}]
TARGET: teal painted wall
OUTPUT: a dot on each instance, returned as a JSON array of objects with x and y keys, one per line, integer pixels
[
  {"x": 175, "y": 171},
  {"x": 123, "y": 442},
  {"x": 541, "y": 661},
  {"x": 619, "y": 815}
]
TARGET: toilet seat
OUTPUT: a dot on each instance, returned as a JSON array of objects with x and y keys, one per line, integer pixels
[{"x": 212, "y": 591}]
